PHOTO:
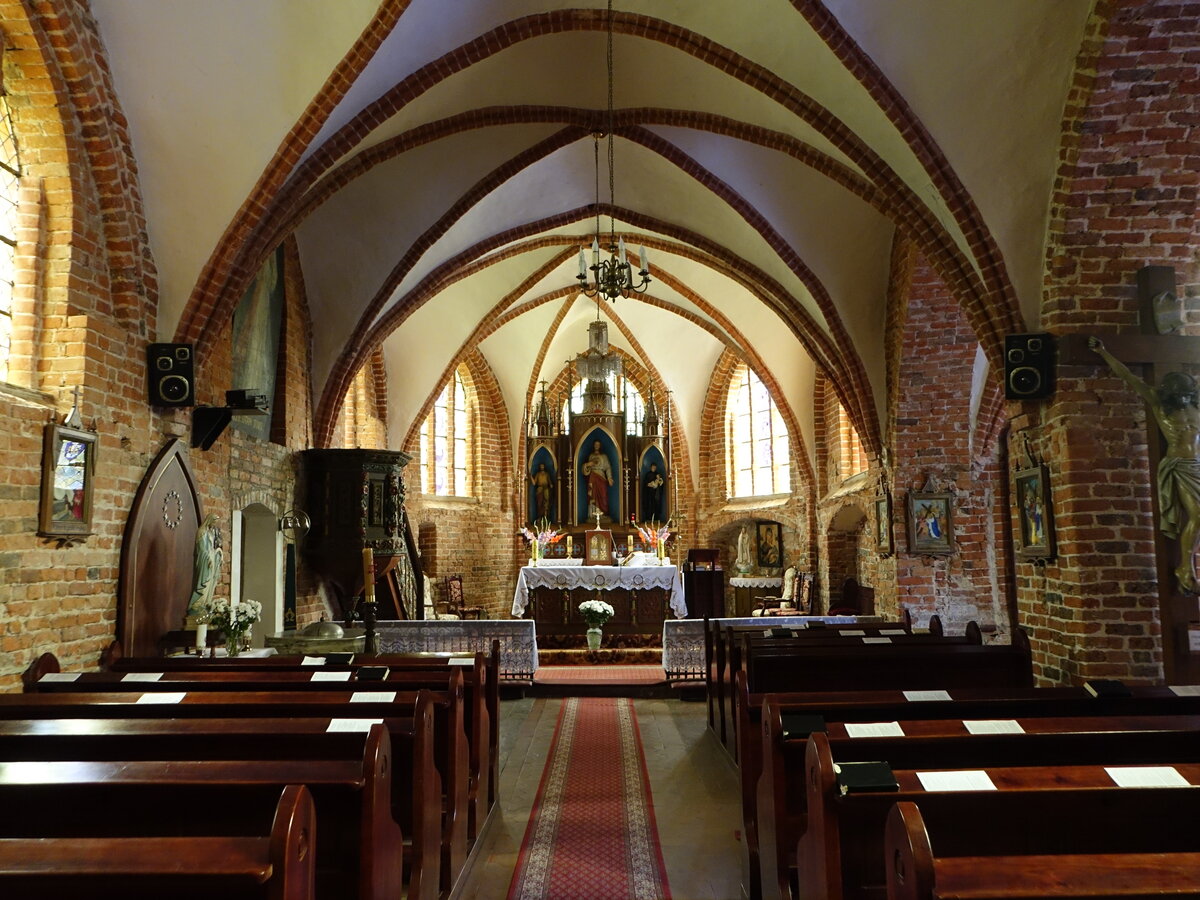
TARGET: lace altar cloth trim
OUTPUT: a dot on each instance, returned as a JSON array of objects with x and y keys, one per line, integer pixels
[
  {"x": 683, "y": 640},
  {"x": 758, "y": 581},
  {"x": 518, "y": 641},
  {"x": 605, "y": 578}
]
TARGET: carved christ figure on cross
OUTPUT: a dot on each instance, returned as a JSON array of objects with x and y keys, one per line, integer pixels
[{"x": 1176, "y": 408}]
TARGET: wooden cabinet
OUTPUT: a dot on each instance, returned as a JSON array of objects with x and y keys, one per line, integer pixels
[{"x": 704, "y": 593}]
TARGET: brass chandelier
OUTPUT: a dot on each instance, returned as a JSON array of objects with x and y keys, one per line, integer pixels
[{"x": 611, "y": 277}]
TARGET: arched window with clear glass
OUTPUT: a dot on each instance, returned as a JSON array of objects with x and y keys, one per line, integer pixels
[
  {"x": 10, "y": 177},
  {"x": 446, "y": 441},
  {"x": 757, "y": 450}
]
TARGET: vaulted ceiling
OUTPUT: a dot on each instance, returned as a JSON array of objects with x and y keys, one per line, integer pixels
[{"x": 435, "y": 162}]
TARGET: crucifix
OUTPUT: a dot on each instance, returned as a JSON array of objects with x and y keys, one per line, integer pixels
[{"x": 1174, "y": 402}]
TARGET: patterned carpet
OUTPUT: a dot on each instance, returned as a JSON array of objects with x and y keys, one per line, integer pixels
[{"x": 591, "y": 835}]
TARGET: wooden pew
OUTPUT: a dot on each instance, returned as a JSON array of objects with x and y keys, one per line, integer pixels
[
  {"x": 451, "y": 745},
  {"x": 1034, "y": 809},
  {"x": 916, "y": 872},
  {"x": 360, "y": 849},
  {"x": 416, "y": 782},
  {"x": 722, "y": 658},
  {"x": 935, "y": 662},
  {"x": 278, "y": 865},
  {"x": 114, "y": 659},
  {"x": 44, "y": 677},
  {"x": 780, "y": 802}
]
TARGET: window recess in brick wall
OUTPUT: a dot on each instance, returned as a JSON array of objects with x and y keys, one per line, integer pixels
[{"x": 757, "y": 450}]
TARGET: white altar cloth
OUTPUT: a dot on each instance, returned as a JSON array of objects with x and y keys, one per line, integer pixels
[{"x": 603, "y": 578}]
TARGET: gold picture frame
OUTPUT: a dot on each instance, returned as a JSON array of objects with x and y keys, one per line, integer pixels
[{"x": 68, "y": 472}]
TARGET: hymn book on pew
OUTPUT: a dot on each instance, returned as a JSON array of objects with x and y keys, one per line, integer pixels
[
  {"x": 780, "y": 633},
  {"x": 801, "y": 725},
  {"x": 339, "y": 659},
  {"x": 373, "y": 673},
  {"x": 859, "y": 777}
]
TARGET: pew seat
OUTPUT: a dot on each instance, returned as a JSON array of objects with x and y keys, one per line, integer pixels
[
  {"x": 277, "y": 865},
  {"x": 916, "y": 872}
]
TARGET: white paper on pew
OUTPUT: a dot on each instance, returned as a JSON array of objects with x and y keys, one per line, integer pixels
[
  {"x": 993, "y": 726},
  {"x": 460, "y": 661},
  {"x": 352, "y": 724},
  {"x": 976, "y": 780},
  {"x": 142, "y": 676},
  {"x": 373, "y": 697},
  {"x": 850, "y": 633},
  {"x": 1186, "y": 690},
  {"x": 163, "y": 697},
  {"x": 331, "y": 676},
  {"x": 60, "y": 676},
  {"x": 877, "y": 640},
  {"x": 892, "y": 631},
  {"x": 874, "y": 729},
  {"x": 1146, "y": 776},
  {"x": 918, "y": 696},
  {"x": 313, "y": 661}
]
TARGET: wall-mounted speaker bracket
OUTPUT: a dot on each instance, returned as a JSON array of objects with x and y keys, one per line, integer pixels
[{"x": 209, "y": 421}]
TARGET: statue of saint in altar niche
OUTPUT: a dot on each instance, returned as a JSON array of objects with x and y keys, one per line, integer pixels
[
  {"x": 207, "y": 566},
  {"x": 652, "y": 494},
  {"x": 1176, "y": 408},
  {"x": 743, "y": 563},
  {"x": 598, "y": 472},
  {"x": 543, "y": 492}
]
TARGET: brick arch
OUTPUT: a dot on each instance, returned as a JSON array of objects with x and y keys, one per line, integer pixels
[
  {"x": 980, "y": 308},
  {"x": 467, "y": 262}
]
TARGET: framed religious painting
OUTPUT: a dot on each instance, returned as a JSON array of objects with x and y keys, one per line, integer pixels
[
  {"x": 930, "y": 523},
  {"x": 68, "y": 464},
  {"x": 770, "y": 545},
  {"x": 883, "y": 525},
  {"x": 1035, "y": 529}
]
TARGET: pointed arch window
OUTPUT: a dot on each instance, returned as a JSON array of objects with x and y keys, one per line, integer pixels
[
  {"x": 757, "y": 448},
  {"x": 446, "y": 440},
  {"x": 852, "y": 457},
  {"x": 10, "y": 177}
]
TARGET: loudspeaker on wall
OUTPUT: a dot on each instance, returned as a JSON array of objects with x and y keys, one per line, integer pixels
[
  {"x": 1029, "y": 362},
  {"x": 170, "y": 376}
]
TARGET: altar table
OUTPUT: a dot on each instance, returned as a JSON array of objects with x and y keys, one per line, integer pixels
[{"x": 641, "y": 597}]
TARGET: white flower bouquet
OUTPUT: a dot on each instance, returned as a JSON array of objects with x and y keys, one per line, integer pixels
[
  {"x": 595, "y": 612},
  {"x": 234, "y": 619}
]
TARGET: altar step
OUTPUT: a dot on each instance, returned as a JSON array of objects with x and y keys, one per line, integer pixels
[
  {"x": 613, "y": 680},
  {"x": 605, "y": 656}
]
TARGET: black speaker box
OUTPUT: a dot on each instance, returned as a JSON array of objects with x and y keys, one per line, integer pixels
[
  {"x": 1028, "y": 366},
  {"x": 171, "y": 376}
]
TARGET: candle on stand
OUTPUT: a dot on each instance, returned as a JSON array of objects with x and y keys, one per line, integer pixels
[
  {"x": 569, "y": 546},
  {"x": 629, "y": 542},
  {"x": 368, "y": 575}
]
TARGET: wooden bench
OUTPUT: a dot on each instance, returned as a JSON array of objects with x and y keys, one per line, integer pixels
[
  {"x": 115, "y": 660},
  {"x": 44, "y": 677},
  {"x": 451, "y": 754},
  {"x": 359, "y": 848},
  {"x": 1034, "y": 809},
  {"x": 417, "y": 793},
  {"x": 720, "y": 646},
  {"x": 916, "y": 872},
  {"x": 277, "y": 865},
  {"x": 780, "y": 796}
]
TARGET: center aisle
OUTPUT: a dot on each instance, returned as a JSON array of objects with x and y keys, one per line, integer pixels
[
  {"x": 592, "y": 834},
  {"x": 695, "y": 793}
]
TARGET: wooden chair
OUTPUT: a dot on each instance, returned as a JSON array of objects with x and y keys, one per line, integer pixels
[
  {"x": 456, "y": 604},
  {"x": 789, "y": 602}
]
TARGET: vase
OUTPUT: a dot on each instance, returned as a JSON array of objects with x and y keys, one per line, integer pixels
[
  {"x": 593, "y": 638},
  {"x": 233, "y": 643}
]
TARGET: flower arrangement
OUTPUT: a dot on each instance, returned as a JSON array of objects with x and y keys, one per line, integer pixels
[
  {"x": 543, "y": 534},
  {"x": 234, "y": 619},
  {"x": 654, "y": 535},
  {"x": 595, "y": 612}
]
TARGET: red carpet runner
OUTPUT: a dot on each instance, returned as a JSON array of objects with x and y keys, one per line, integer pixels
[{"x": 591, "y": 835}]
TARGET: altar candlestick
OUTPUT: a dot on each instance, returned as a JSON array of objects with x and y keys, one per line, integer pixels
[
  {"x": 368, "y": 575},
  {"x": 569, "y": 547},
  {"x": 629, "y": 542}
]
